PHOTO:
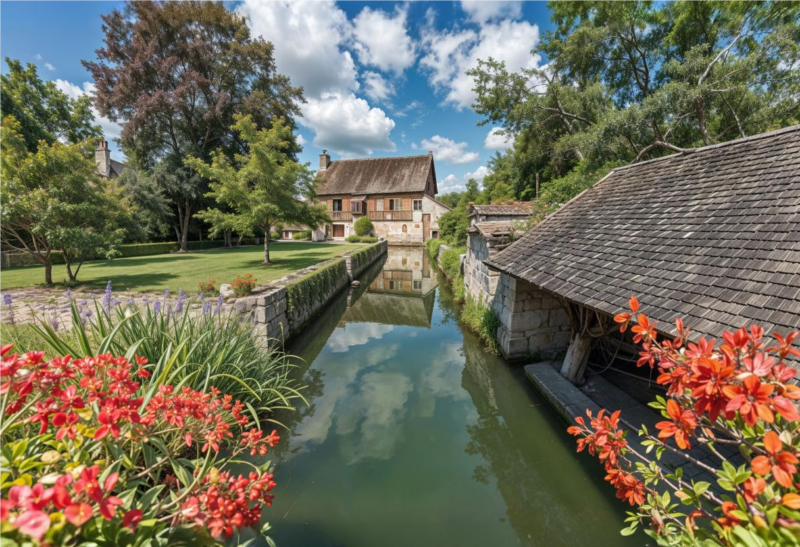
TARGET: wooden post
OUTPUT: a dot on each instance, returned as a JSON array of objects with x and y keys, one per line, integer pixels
[
  {"x": 577, "y": 355},
  {"x": 537, "y": 184}
]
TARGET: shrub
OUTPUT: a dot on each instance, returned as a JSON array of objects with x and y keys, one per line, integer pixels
[
  {"x": 369, "y": 239},
  {"x": 207, "y": 286},
  {"x": 302, "y": 235},
  {"x": 197, "y": 347},
  {"x": 309, "y": 290},
  {"x": 353, "y": 239},
  {"x": 433, "y": 247},
  {"x": 363, "y": 226},
  {"x": 450, "y": 262},
  {"x": 275, "y": 235},
  {"x": 740, "y": 394},
  {"x": 100, "y": 458},
  {"x": 482, "y": 321},
  {"x": 453, "y": 226},
  {"x": 243, "y": 284}
]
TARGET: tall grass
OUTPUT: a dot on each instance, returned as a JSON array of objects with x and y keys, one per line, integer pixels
[
  {"x": 196, "y": 348},
  {"x": 482, "y": 321}
]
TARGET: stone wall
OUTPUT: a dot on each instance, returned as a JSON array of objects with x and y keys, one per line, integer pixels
[
  {"x": 532, "y": 321},
  {"x": 479, "y": 281},
  {"x": 269, "y": 310}
]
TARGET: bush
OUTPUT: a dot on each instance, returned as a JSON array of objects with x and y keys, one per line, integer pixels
[
  {"x": 275, "y": 235},
  {"x": 741, "y": 394},
  {"x": 243, "y": 284},
  {"x": 207, "y": 287},
  {"x": 433, "y": 247},
  {"x": 301, "y": 235},
  {"x": 450, "y": 262},
  {"x": 353, "y": 239},
  {"x": 482, "y": 321},
  {"x": 361, "y": 258},
  {"x": 310, "y": 289},
  {"x": 363, "y": 226},
  {"x": 369, "y": 239},
  {"x": 453, "y": 226},
  {"x": 106, "y": 452}
]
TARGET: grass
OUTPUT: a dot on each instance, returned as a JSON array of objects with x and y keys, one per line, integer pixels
[{"x": 176, "y": 271}]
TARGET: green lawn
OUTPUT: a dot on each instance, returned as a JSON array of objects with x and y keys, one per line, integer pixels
[{"x": 155, "y": 273}]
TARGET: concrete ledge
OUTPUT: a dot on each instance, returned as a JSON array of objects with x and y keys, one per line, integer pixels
[{"x": 565, "y": 398}]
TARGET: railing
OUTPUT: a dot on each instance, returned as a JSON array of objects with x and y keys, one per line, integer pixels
[
  {"x": 390, "y": 215},
  {"x": 341, "y": 215}
]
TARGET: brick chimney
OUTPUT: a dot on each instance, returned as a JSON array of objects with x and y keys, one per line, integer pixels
[
  {"x": 102, "y": 158},
  {"x": 324, "y": 160}
]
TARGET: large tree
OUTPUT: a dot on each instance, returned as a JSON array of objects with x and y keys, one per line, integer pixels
[
  {"x": 53, "y": 200},
  {"x": 262, "y": 189},
  {"x": 43, "y": 112},
  {"x": 175, "y": 74}
]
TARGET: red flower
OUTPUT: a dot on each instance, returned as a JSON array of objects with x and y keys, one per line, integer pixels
[
  {"x": 132, "y": 519},
  {"x": 682, "y": 426},
  {"x": 33, "y": 523},
  {"x": 78, "y": 513},
  {"x": 782, "y": 463},
  {"x": 751, "y": 399}
]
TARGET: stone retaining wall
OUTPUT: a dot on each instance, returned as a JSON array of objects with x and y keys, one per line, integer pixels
[
  {"x": 269, "y": 309},
  {"x": 532, "y": 321},
  {"x": 479, "y": 281}
]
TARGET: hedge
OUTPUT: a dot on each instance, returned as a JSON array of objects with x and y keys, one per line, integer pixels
[
  {"x": 433, "y": 247},
  {"x": 361, "y": 258},
  {"x": 302, "y": 235},
  {"x": 361, "y": 239},
  {"x": 315, "y": 287}
]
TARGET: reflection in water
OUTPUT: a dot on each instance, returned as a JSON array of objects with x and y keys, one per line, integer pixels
[{"x": 413, "y": 435}]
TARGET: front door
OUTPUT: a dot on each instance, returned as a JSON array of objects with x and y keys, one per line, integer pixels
[
  {"x": 426, "y": 226},
  {"x": 338, "y": 230}
]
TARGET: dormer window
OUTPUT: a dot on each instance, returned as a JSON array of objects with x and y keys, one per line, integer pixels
[{"x": 357, "y": 207}]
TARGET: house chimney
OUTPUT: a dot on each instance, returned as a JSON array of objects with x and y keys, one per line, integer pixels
[
  {"x": 102, "y": 158},
  {"x": 324, "y": 160},
  {"x": 430, "y": 152}
]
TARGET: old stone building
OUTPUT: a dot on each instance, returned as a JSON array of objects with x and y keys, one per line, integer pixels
[
  {"x": 397, "y": 194},
  {"x": 106, "y": 167},
  {"x": 484, "y": 240},
  {"x": 711, "y": 235},
  {"x": 509, "y": 212}
]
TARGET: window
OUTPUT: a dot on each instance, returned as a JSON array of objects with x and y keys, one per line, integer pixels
[
  {"x": 395, "y": 204},
  {"x": 379, "y": 204},
  {"x": 405, "y": 229},
  {"x": 417, "y": 205},
  {"x": 355, "y": 206},
  {"x": 417, "y": 285},
  {"x": 337, "y": 205}
]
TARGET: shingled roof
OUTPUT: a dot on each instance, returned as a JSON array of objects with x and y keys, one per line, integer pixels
[
  {"x": 494, "y": 231},
  {"x": 711, "y": 236},
  {"x": 522, "y": 208},
  {"x": 378, "y": 176}
]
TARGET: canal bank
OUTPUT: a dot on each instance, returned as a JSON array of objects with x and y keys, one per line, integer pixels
[{"x": 414, "y": 435}]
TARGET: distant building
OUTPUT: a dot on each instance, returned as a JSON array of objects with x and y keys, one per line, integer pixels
[
  {"x": 520, "y": 210},
  {"x": 106, "y": 167},
  {"x": 396, "y": 194}
]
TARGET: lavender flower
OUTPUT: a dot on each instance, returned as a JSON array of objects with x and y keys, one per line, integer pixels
[
  {"x": 157, "y": 307},
  {"x": 107, "y": 299},
  {"x": 6, "y": 299},
  {"x": 84, "y": 302},
  {"x": 181, "y": 301},
  {"x": 54, "y": 323},
  {"x": 169, "y": 309},
  {"x": 206, "y": 308},
  {"x": 10, "y": 312},
  {"x": 166, "y": 293},
  {"x": 68, "y": 294},
  {"x": 131, "y": 302},
  {"x": 218, "y": 309}
]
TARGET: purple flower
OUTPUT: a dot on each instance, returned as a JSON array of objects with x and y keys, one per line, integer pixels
[
  {"x": 219, "y": 305},
  {"x": 157, "y": 307},
  {"x": 206, "y": 308},
  {"x": 131, "y": 302},
  {"x": 7, "y": 299},
  {"x": 68, "y": 294},
  {"x": 169, "y": 309},
  {"x": 54, "y": 323},
  {"x": 84, "y": 302},
  {"x": 166, "y": 293},
  {"x": 181, "y": 301},
  {"x": 107, "y": 299}
]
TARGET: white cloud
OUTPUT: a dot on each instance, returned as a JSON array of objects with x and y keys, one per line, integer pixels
[
  {"x": 448, "y": 150},
  {"x": 479, "y": 174},
  {"x": 111, "y": 130},
  {"x": 50, "y": 67},
  {"x": 414, "y": 105},
  {"x": 496, "y": 140},
  {"x": 481, "y": 12},
  {"x": 347, "y": 125},
  {"x": 38, "y": 57},
  {"x": 450, "y": 184},
  {"x": 308, "y": 38},
  {"x": 301, "y": 140},
  {"x": 381, "y": 39},
  {"x": 377, "y": 87},
  {"x": 449, "y": 55}
]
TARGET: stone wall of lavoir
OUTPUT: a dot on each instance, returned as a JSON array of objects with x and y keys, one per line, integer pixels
[{"x": 479, "y": 281}]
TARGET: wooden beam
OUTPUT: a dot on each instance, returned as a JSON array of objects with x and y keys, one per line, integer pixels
[{"x": 577, "y": 356}]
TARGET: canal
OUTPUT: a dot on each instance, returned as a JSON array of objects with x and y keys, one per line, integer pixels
[{"x": 414, "y": 435}]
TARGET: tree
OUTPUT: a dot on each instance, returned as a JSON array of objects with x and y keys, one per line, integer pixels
[
  {"x": 42, "y": 111},
  {"x": 146, "y": 193},
  {"x": 53, "y": 200},
  {"x": 740, "y": 393},
  {"x": 261, "y": 189},
  {"x": 363, "y": 226},
  {"x": 175, "y": 74}
]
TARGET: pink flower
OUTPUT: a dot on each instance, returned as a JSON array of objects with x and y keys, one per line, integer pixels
[{"x": 33, "y": 523}]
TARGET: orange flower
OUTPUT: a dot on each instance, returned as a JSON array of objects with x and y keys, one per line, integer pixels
[
  {"x": 751, "y": 399},
  {"x": 681, "y": 427},
  {"x": 728, "y": 520},
  {"x": 782, "y": 463}
]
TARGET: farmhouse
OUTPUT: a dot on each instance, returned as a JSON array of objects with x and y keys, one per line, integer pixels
[
  {"x": 396, "y": 194},
  {"x": 710, "y": 235}
]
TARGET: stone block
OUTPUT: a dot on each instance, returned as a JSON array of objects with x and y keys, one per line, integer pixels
[
  {"x": 517, "y": 347},
  {"x": 559, "y": 317},
  {"x": 529, "y": 320},
  {"x": 226, "y": 290},
  {"x": 550, "y": 303},
  {"x": 260, "y": 314},
  {"x": 540, "y": 343},
  {"x": 533, "y": 303}
]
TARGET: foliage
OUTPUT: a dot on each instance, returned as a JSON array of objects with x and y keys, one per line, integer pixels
[
  {"x": 304, "y": 235},
  {"x": 313, "y": 288},
  {"x": 207, "y": 286},
  {"x": 740, "y": 393},
  {"x": 243, "y": 284},
  {"x": 263, "y": 188},
  {"x": 482, "y": 321},
  {"x": 363, "y": 226},
  {"x": 353, "y": 239},
  {"x": 194, "y": 348},
  {"x": 175, "y": 75},
  {"x": 433, "y": 247},
  {"x": 361, "y": 258},
  {"x": 53, "y": 200},
  {"x": 453, "y": 226},
  {"x": 91, "y": 455},
  {"x": 44, "y": 112},
  {"x": 628, "y": 81},
  {"x": 153, "y": 208},
  {"x": 369, "y": 239},
  {"x": 450, "y": 199}
]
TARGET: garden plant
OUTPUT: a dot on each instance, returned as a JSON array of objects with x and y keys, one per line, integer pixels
[{"x": 740, "y": 393}]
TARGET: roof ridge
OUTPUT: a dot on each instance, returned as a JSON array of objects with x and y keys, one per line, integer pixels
[
  {"x": 688, "y": 151},
  {"x": 384, "y": 158}
]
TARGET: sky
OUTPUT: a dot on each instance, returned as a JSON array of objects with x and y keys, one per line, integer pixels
[{"x": 380, "y": 78}]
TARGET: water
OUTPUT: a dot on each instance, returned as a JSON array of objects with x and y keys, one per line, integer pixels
[{"x": 415, "y": 436}]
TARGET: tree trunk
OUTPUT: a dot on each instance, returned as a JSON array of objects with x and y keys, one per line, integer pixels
[
  {"x": 184, "y": 213},
  {"x": 68, "y": 264},
  {"x": 266, "y": 246},
  {"x": 48, "y": 272}
]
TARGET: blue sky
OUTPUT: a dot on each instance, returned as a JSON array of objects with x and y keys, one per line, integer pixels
[{"x": 381, "y": 78}]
